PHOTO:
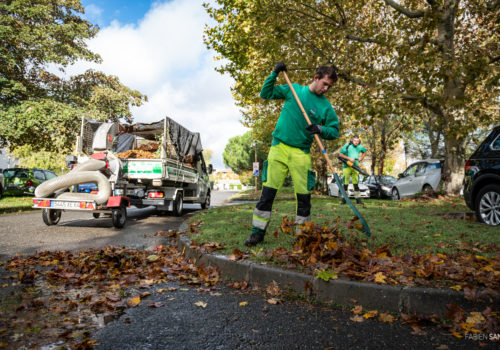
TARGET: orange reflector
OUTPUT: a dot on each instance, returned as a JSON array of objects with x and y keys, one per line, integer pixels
[
  {"x": 155, "y": 194},
  {"x": 41, "y": 204}
]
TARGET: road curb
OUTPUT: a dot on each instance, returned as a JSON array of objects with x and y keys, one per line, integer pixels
[{"x": 384, "y": 298}]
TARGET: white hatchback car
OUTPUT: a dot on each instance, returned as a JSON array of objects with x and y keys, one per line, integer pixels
[
  {"x": 333, "y": 190},
  {"x": 419, "y": 177}
]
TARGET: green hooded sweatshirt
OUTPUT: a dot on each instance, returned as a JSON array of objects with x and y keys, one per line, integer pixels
[{"x": 291, "y": 126}]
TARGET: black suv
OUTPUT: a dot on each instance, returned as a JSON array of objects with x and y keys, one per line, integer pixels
[{"x": 482, "y": 180}]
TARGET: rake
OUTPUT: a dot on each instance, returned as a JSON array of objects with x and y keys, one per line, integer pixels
[{"x": 366, "y": 228}]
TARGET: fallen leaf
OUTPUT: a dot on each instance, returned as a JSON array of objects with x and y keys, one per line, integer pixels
[
  {"x": 161, "y": 291},
  {"x": 386, "y": 318},
  {"x": 370, "y": 314},
  {"x": 380, "y": 278},
  {"x": 155, "y": 304},
  {"x": 133, "y": 302},
  {"x": 243, "y": 303},
  {"x": 357, "y": 318},
  {"x": 418, "y": 331},
  {"x": 201, "y": 304},
  {"x": 357, "y": 310},
  {"x": 475, "y": 318},
  {"x": 273, "y": 301},
  {"x": 153, "y": 258}
]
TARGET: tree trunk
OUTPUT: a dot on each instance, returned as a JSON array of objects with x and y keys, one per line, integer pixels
[{"x": 454, "y": 163}]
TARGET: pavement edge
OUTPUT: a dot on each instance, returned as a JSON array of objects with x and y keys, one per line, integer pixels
[{"x": 384, "y": 298}]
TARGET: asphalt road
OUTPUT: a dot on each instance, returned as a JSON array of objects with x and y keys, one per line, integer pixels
[
  {"x": 25, "y": 233},
  {"x": 225, "y": 323}
]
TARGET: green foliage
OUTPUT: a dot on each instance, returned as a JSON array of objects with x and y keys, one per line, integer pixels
[
  {"x": 239, "y": 153},
  {"x": 28, "y": 158},
  {"x": 38, "y": 108},
  {"x": 411, "y": 59}
]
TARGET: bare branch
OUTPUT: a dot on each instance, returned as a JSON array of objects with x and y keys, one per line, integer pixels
[
  {"x": 403, "y": 10},
  {"x": 319, "y": 12}
]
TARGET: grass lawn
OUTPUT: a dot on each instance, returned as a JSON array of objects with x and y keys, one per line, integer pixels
[
  {"x": 285, "y": 193},
  {"x": 409, "y": 227},
  {"x": 15, "y": 204}
]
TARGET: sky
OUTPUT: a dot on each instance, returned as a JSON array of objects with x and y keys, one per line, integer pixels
[{"x": 157, "y": 47}]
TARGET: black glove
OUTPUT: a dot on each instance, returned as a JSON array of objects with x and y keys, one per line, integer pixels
[
  {"x": 314, "y": 129},
  {"x": 280, "y": 67}
]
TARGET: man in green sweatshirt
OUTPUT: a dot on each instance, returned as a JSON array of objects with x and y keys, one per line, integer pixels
[
  {"x": 290, "y": 148},
  {"x": 355, "y": 152}
]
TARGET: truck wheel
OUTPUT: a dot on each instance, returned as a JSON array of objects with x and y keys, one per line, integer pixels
[
  {"x": 178, "y": 204},
  {"x": 206, "y": 203},
  {"x": 51, "y": 216},
  {"x": 119, "y": 216},
  {"x": 488, "y": 205}
]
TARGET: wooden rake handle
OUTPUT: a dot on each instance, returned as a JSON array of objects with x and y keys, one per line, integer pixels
[{"x": 318, "y": 140}]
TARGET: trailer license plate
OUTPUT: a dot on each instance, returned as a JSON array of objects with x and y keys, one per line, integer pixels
[{"x": 65, "y": 205}]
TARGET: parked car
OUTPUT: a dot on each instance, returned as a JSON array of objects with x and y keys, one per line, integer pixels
[
  {"x": 19, "y": 181},
  {"x": 418, "y": 177},
  {"x": 333, "y": 189},
  {"x": 481, "y": 186},
  {"x": 380, "y": 186}
]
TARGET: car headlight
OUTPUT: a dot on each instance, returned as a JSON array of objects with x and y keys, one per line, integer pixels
[{"x": 385, "y": 188}]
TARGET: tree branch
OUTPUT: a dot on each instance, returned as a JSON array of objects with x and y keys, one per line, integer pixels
[{"x": 403, "y": 10}]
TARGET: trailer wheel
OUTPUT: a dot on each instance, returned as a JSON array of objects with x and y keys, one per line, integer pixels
[
  {"x": 178, "y": 204},
  {"x": 51, "y": 216},
  {"x": 96, "y": 215},
  {"x": 119, "y": 216},
  {"x": 206, "y": 203}
]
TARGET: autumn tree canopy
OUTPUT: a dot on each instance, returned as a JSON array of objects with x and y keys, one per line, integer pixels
[
  {"x": 39, "y": 109},
  {"x": 394, "y": 58}
]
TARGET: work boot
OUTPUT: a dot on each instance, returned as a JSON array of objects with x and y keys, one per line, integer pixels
[
  {"x": 343, "y": 201},
  {"x": 256, "y": 237},
  {"x": 359, "y": 201}
]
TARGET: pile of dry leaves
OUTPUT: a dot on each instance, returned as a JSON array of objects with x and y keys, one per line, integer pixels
[{"x": 63, "y": 296}]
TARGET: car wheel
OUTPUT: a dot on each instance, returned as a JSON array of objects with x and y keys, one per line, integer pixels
[
  {"x": 379, "y": 193},
  {"x": 178, "y": 203},
  {"x": 119, "y": 216},
  {"x": 488, "y": 205},
  {"x": 206, "y": 203},
  {"x": 1, "y": 191},
  {"x": 427, "y": 188},
  {"x": 51, "y": 216},
  {"x": 395, "y": 194},
  {"x": 96, "y": 215}
]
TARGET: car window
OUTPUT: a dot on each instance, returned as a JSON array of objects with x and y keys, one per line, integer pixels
[
  {"x": 21, "y": 173},
  {"x": 8, "y": 173},
  {"x": 433, "y": 166},
  {"x": 412, "y": 169},
  {"x": 38, "y": 174},
  {"x": 495, "y": 145},
  {"x": 421, "y": 169},
  {"x": 387, "y": 179},
  {"x": 49, "y": 174}
]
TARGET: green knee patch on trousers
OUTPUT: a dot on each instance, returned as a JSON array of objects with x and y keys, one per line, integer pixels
[
  {"x": 264, "y": 171},
  {"x": 311, "y": 180}
]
